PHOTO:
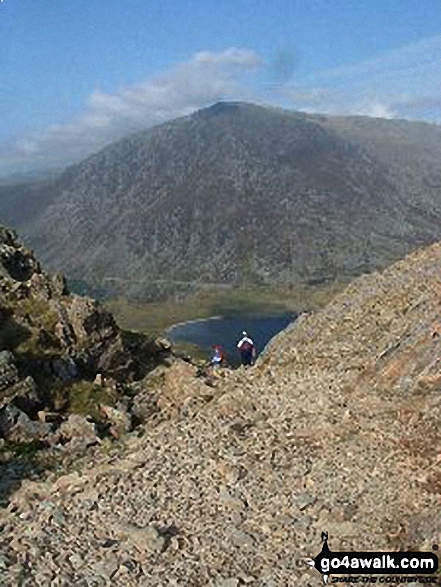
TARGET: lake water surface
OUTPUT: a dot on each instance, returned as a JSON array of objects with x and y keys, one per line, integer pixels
[{"x": 228, "y": 331}]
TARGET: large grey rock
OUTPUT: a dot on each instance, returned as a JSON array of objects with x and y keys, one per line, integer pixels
[
  {"x": 77, "y": 433},
  {"x": 145, "y": 539},
  {"x": 16, "y": 426}
]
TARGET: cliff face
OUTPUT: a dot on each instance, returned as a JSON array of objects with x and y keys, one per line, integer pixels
[
  {"x": 42, "y": 322},
  {"x": 336, "y": 429},
  {"x": 241, "y": 193},
  {"x": 53, "y": 345}
]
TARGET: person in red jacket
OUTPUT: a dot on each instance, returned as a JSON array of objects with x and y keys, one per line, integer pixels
[{"x": 218, "y": 357}]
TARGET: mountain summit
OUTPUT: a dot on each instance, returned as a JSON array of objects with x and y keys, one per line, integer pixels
[{"x": 240, "y": 193}]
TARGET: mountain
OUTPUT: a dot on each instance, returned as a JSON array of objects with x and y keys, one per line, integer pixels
[
  {"x": 239, "y": 193},
  {"x": 335, "y": 430},
  {"x": 22, "y": 202}
]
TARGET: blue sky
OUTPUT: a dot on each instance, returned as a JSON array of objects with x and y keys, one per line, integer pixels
[{"x": 77, "y": 74}]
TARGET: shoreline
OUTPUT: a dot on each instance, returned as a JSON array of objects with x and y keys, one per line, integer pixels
[{"x": 169, "y": 329}]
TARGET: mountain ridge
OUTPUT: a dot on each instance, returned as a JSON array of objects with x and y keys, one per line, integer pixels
[{"x": 239, "y": 193}]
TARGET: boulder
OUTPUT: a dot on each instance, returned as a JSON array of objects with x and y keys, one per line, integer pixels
[
  {"x": 77, "y": 433},
  {"x": 148, "y": 539},
  {"x": 16, "y": 426},
  {"x": 163, "y": 344},
  {"x": 90, "y": 322},
  {"x": 145, "y": 405},
  {"x": 99, "y": 380},
  {"x": 119, "y": 419},
  {"x": 59, "y": 285}
]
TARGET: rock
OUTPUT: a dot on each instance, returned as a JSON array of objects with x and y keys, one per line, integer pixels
[
  {"x": 16, "y": 263},
  {"x": 246, "y": 579},
  {"x": 120, "y": 420},
  {"x": 40, "y": 287},
  {"x": 303, "y": 523},
  {"x": 77, "y": 433},
  {"x": 163, "y": 344},
  {"x": 22, "y": 392},
  {"x": 241, "y": 539},
  {"x": 145, "y": 406},
  {"x": 59, "y": 285},
  {"x": 106, "y": 569},
  {"x": 145, "y": 539},
  {"x": 8, "y": 371},
  {"x": 65, "y": 369},
  {"x": 76, "y": 561},
  {"x": 303, "y": 500},
  {"x": 99, "y": 380},
  {"x": 16, "y": 426},
  {"x": 227, "y": 582}
]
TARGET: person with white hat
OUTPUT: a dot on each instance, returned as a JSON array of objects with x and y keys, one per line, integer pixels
[{"x": 247, "y": 349}]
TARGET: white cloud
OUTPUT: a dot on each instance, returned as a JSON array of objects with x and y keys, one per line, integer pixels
[
  {"x": 403, "y": 82},
  {"x": 242, "y": 57},
  {"x": 376, "y": 110},
  {"x": 198, "y": 82}
]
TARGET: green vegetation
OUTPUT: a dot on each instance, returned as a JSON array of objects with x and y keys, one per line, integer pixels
[
  {"x": 22, "y": 450},
  {"x": 27, "y": 327},
  {"x": 85, "y": 398},
  {"x": 153, "y": 318}
]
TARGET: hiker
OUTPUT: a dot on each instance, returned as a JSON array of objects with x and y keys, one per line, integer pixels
[
  {"x": 218, "y": 357},
  {"x": 247, "y": 350}
]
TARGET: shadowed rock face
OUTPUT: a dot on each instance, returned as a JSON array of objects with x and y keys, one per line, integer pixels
[
  {"x": 15, "y": 263},
  {"x": 240, "y": 193}
]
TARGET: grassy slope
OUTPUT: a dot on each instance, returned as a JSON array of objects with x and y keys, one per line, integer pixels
[{"x": 154, "y": 318}]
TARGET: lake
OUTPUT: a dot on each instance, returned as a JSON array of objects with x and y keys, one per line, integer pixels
[{"x": 228, "y": 331}]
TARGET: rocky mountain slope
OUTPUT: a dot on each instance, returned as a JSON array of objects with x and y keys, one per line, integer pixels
[
  {"x": 62, "y": 357},
  {"x": 336, "y": 429},
  {"x": 22, "y": 203},
  {"x": 238, "y": 193}
]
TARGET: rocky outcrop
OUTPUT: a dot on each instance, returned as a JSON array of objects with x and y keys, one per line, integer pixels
[
  {"x": 50, "y": 341},
  {"x": 16, "y": 426},
  {"x": 77, "y": 433},
  {"x": 171, "y": 392}
]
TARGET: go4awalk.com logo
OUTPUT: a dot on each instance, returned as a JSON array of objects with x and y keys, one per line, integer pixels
[{"x": 398, "y": 567}]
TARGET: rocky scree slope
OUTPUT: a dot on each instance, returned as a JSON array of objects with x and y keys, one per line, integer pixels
[
  {"x": 53, "y": 345},
  {"x": 239, "y": 193},
  {"x": 336, "y": 429}
]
